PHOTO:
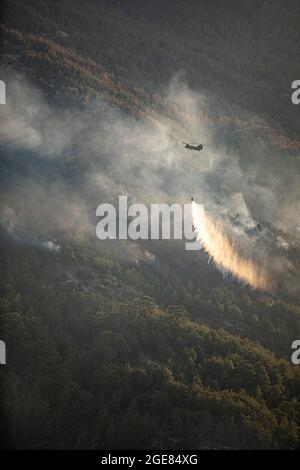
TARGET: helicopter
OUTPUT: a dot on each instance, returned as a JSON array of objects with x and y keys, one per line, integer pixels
[{"x": 194, "y": 146}]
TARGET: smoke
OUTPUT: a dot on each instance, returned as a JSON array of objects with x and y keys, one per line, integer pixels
[
  {"x": 59, "y": 164},
  {"x": 50, "y": 245}
]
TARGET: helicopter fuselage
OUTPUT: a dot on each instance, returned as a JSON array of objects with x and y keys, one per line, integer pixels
[{"x": 194, "y": 147}]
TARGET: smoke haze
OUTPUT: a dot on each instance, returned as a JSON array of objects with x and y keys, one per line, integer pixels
[{"x": 59, "y": 164}]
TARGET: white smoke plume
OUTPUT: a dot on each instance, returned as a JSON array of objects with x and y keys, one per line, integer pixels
[{"x": 59, "y": 164}]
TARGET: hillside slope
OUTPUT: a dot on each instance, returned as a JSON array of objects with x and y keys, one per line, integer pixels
[{"x": 143, "y": 346}]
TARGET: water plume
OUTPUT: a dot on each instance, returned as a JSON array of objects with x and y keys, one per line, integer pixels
[{"x": 224, "y": 252}]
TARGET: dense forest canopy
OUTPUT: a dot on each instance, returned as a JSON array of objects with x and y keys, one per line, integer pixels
[
  {"x": 147, "y": 346},
  {"x": 243, "y": 52}
]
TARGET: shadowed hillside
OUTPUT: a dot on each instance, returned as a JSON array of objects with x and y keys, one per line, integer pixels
[{"x": 122, "y": 345}]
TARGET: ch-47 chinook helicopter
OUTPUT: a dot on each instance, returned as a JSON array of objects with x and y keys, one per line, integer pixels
[{"x": 195, "y": 147}]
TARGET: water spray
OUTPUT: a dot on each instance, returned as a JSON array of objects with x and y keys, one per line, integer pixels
[{"x": 224, "y": 252}]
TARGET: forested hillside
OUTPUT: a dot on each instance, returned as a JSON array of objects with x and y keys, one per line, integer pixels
[
  {"x": 146, "y": 346},
  {"x": 95, "y": 362},
  {"x": 245, "y": 54}
]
